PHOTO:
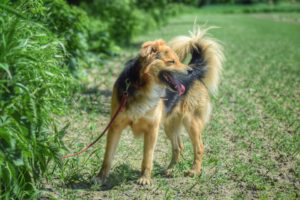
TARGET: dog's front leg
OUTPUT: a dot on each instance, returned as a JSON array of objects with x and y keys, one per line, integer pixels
[
  {"x": 113, "y": 137},
  {"x": 150, "y": 137}
]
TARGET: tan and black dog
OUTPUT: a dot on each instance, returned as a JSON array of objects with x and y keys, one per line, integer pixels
[{"x": 164, "y": 90}]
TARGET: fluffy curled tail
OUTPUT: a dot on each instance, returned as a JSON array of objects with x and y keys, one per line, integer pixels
[{"x": 206, "y": 53}]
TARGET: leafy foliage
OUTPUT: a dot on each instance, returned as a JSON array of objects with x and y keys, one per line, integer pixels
[
  {"x": 78, "y": 32},
  {"x": 33, "y": 87},
  {"x": 127, "y": 18}
]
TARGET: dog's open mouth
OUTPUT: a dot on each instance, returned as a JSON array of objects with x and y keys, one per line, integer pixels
[{"x": 175, "y": 85}]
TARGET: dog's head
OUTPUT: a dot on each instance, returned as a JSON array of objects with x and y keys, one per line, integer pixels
[{"x": 159, "y": 63}]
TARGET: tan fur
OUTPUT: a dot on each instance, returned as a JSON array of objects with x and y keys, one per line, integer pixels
[
  {"x": 213, "y": 55},
  {"x": 193, "y": 112},
  {"x": 145, "y": 111}
]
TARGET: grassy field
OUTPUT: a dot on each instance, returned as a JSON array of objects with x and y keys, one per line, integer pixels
[{"x": 252, "y": 142}]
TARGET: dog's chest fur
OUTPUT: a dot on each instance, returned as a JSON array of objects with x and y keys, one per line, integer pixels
[{"x": 141, "y": 103}]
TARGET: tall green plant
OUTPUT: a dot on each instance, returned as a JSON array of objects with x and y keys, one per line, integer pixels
[
  {"x": 33, "y": 87},
  {"x": 79, "y": 32}
]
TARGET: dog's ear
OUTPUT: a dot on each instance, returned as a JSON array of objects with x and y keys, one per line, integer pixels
[{"x": 151, "y": 47}]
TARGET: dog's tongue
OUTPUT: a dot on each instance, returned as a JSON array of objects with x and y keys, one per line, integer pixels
[{"x": 180, "y": 89}]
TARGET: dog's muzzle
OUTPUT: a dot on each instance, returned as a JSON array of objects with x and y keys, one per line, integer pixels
[{"x": 168, "y": 78}]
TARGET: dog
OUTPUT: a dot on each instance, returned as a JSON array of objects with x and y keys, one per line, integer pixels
[{"x": 164, "y": 90}]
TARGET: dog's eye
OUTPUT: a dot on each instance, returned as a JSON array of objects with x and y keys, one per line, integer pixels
[{"x": 171, "y": 62}]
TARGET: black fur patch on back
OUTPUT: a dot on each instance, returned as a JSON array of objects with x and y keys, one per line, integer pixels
[
  {"x": 132, "y": 73},
  {"x": 197, "y": 72}
]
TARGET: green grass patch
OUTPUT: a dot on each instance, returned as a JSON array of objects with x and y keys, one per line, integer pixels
[
  {"x": 252, "y": 141},
  {"x": 254, "y": 8}
]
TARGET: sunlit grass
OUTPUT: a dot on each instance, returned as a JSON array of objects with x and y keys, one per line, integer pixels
[{"x": 252, "y": 143}]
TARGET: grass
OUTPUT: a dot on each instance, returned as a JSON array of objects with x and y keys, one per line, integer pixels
[
  {"x": 252, "y": 142},
  {"x": 281, "y": 7}
]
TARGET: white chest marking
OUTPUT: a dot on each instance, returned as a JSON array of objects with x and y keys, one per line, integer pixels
[{"x": 145, "y": 102}]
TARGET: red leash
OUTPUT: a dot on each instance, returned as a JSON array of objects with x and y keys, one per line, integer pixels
[{"x": 120, "y": 109}]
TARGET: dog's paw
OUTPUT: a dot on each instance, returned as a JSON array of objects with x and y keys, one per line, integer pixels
[
  {"x": 192, "y": 173},
  {"x": 144, "y": 180}
]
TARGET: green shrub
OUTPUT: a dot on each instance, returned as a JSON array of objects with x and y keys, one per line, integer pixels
[
  {"x": 157, "y": 9},
  {"x": 33, "y": 88},
  {"x": 160, "y": 10},
  {"x": 119, "y": 15},
  {"x": 128, "y": 18},
  {"x": 79, "y": 32}
]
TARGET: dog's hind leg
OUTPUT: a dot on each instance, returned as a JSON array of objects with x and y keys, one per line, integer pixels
[
  {"x": 173, "y": 129},
  {"x": 194, "y": 126}
]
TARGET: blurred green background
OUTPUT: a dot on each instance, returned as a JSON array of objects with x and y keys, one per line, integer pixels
[{"x": 50, "y": 48}]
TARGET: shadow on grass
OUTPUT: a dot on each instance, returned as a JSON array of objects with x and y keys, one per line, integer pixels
[
  {"x": 119, "y": 175},
  {"x": 158, "y": 170}
]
